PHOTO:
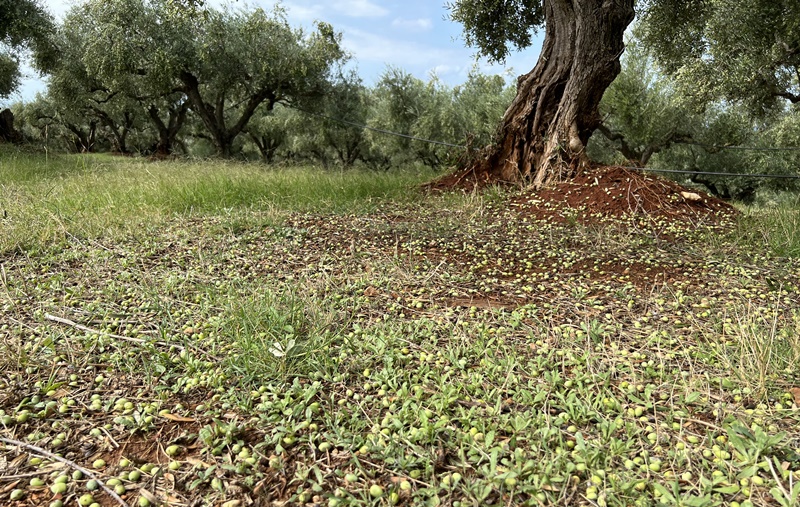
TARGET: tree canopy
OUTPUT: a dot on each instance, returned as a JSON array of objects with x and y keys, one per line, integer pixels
[
  {"x": 496, "y": 27},
  {"x": 736, "y": 50},
  {"x": 24, "y": 24},
  {"x": 223, "y": 64}
]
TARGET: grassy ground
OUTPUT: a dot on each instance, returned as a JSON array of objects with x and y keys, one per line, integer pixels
[{"x": 208, "y": 333}]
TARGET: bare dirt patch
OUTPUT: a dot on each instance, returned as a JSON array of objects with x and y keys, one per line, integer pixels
[
  {"x": 617, "y": 191},
  {"x": 600, "y": 192}
]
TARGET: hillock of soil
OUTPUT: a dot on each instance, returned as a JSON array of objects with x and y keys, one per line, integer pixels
[{"x": 600, "y": 192}]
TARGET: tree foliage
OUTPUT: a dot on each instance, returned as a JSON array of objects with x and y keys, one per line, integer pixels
[
  {"x": 740, "y": 50},
  {"x": 648, "y": 122},
  {"x": 223, "y": 64},
  {"x": 736, "y": 50},
  {"x": 332, "y": 130},
  {"x": 496, "y": 27},
  {"x": 642, "y": 113},
  {"x": 250, "y": 59},
  {"x": 24, "y": 25}
]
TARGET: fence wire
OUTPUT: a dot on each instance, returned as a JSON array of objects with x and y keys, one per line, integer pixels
[
  {"x": 708, "y": 173},
  {"x": 644, "y": 169},
  {"x": 723, "y": 147}
]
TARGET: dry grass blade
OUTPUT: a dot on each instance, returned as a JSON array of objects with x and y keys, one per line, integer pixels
[
  {"x": 81, "y": 327},
  {"x": 48, "y": 454}
]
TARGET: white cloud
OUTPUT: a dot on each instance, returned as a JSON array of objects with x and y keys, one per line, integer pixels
[
  {"x": 360, "y": 8},
  {"x": 444, "y": 70},
  {"x": 413, "y": 25},
  {"x": 373, "y": 52},
  {"x": 302, "y": 13},
  {"x": 371, "y": 47}
]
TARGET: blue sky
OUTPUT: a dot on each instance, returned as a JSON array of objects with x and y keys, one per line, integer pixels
[{"x": 411, "y": 34}]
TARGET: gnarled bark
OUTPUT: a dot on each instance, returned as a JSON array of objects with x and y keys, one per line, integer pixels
[
  {"x": 213, "y": 114},
  {"x": 168, "y": 132},
  {"x": 544, "y": 132},
  {"x": 7, "y": 131}
]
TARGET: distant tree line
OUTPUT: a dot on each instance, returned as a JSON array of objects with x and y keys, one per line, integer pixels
[
  {"x": 652, "y": 119},
  {"x": 158, "y": 78},
  {"x": 147, "y": 77}
]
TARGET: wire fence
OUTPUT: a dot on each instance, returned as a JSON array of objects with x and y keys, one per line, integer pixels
[
  {"x": 709, "y": 173},
  {"x": 744, "y": 148},
  {"x": 643, "y": 169}
]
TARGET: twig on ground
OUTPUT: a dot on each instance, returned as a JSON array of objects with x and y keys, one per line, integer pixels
[
  {"x": 4, "y": 281},
  {"x": 704, "y": 423},
  {"x": 779, "y": 482},
  {"x": 81, "y": 327},
  {"x": 24, "y": 476},
  {"x": 48, "y": 454}
]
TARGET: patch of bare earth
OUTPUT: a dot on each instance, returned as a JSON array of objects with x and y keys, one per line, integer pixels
[{"x": 616, "y": 192}]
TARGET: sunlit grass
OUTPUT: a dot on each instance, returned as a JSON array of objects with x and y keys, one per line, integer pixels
[
  {"x": 776, "y": 228},
  {"x": 757, "y": 347},
  {"x": 46, "y": 199}
]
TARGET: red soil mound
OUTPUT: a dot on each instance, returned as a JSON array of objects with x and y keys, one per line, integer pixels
[
  {"x": 610, "y": 192},
  {"x": 616, "y": 191}
]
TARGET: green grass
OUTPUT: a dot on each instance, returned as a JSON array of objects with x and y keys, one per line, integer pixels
[
  {"x": 90, "y": 196},
  {"x": 774, "y": 228},
  {"x": 756, "y": 342},
  {"x": 343, "y": 339},
  {"x": 280, "y": 335}
]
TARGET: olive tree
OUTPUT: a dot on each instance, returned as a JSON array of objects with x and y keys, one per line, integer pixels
[
  {"x": 412, "y": 107},
  {"x": 544, "y": 132},
  {"x": 269, "y": 130},
  {"x": 736, "y": 50},
  {"x": 74, "y": 87},
  {"x": 245, "y": 60},
  {"x": 328, "y": 130},
  {"x": 222, "y": 64},
  {"x": 24, "y": 25},
  {"x": 51, "y": 120},
  {"x": 478, "y": 106}
]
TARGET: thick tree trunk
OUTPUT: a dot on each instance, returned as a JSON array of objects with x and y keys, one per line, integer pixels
[
  {"x": 213, "y": 115},
  {"x": 7, "y": 131},
  {"x": 168, "y": 132},
  {"x": 544, "y": 132}
]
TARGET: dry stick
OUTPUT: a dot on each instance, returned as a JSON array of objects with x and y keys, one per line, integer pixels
[
  {"x": 81, "y": 327},
  {"x": 4, "y": 281},
  {"x": 704, "y": 423},
  {"x": 778, "y": 481},
  {"x": 48, "y": 454},
  {"x": 24, "y": 476}
]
